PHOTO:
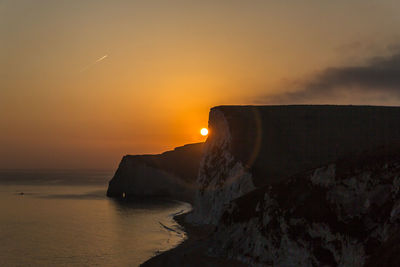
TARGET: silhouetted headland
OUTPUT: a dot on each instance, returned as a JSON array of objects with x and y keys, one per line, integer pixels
[{"x": 171, "y": 174}]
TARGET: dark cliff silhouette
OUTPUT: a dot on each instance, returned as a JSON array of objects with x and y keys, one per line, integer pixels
[{"x": 171, "y": 174}]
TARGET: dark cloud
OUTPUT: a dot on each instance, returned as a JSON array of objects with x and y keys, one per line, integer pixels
[{"x": 379, "y": 78}]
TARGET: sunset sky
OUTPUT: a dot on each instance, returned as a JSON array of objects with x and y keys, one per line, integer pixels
[{"x": 85, "y": 82}]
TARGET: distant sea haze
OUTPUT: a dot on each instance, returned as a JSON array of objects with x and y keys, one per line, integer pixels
[
  {"x": 63, "y": 218},
  {"x": 55, "y": 177}
]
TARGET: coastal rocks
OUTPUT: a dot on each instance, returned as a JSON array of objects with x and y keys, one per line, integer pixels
[{"x": 171, "y": 174}]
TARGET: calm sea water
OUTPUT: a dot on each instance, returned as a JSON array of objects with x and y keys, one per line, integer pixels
[{"x": 64, "y": 218}]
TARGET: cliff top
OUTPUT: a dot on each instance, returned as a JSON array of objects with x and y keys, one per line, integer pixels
[{"x": 280, "y": 140}]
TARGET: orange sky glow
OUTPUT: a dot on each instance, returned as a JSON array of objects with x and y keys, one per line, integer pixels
[{"x": 85, "y": 82}]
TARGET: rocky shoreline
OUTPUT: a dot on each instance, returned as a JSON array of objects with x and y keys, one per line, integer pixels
[{"x": 193, "y": 251}]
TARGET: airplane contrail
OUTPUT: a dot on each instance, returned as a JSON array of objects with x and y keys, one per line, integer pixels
[
  {"x": 91, "y": 65},
  {"x": 100, "y": 59}
]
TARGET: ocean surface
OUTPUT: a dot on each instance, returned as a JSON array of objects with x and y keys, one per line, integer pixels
[{"x": 63, "y": 218}]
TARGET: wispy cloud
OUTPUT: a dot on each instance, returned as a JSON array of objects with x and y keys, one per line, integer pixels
[{"x": 378, "y": 79}]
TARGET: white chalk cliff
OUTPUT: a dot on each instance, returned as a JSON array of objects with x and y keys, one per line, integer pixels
[
  {"x": 301, "y": 185},
  {"x": 221, "y": 177}
]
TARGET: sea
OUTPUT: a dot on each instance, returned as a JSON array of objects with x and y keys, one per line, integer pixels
[{"x": 63, "y": 218}]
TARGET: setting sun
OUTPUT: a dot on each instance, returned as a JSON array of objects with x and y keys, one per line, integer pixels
[{"x": 204, "y": 131}]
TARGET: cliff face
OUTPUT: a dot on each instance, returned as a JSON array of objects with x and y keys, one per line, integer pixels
[
  {"x": 255, "y": 146},
  {"x": 302, "y": 185},
  {"x": 170, "y": 174},
  {"x": 342, "y": 214},
  {"x": 222, "y": 177}
]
